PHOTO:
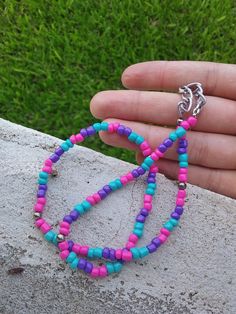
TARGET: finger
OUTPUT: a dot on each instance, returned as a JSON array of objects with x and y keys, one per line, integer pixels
[
  {"x": 161, "y": 108},
  {"x": 218, "y": 79},
  {"x": 205, "y": 149},
  {"x": 219, "y": 181}
]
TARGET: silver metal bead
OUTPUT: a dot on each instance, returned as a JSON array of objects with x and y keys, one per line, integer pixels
[
  {"x": 182, "y": 185},
  {"x": 179, "y": 121},
  {"x": 60, "y": 237},
  {"x": 37, "y": 215}
]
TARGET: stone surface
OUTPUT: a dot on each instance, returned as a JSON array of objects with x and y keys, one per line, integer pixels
[{"x": 193, "y": 273}]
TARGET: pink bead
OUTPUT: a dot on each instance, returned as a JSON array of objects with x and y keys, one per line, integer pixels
[
  {"x": 129, "y": 245},
  {"x": 91, "y": 200},
  {"x": 64, "y": 224},
  {"x": 133, "y": 238},
  {"x": 97, "y": 197},
  {"x": 162, "y": 238},
  {"x": 95, "y": 272},
  {"x": 181, "y": 194},
  {"x": 148, "y": 206},
  {"x": 183, "y": 170},
  {"x": 147, "y": 198},
  {"x": 103, "y": 271},
  {"x": 110, "y": 128},
  {"x": 118, "y": 254},
  {"x": 84, "y": 250},
  {"x": 73, "y": 139},
  {"x": 123, "y": 180},
  {"x": 154, "y": 156},
  {"x": 147, "y": 152},
  {"x": 126, "y": 256},
  {"x": 48, "y": 163},
  {"x": 179, "y": 201},
  {"x": 63, "y": 246},
  {"x": 64, "y": 231},
  {"x": 192, "y": 121},
  {"x": 182, "y": 177},
  {"x": 144, "y": 145},
  {"x": 154, "y": 168},
  {"x": 64, "y": 254},
  {"x": 39, "y": 207},
  {"x": 39, "y": 222},
  {"x": 165, "y": 232},
  {"x": 129, "y": 176},
  {"x": 47, "y": 169},
  {"x": 79, "y": 138},
  {"x": 115, "y": 126},
  {"x": 159, "y": 153},
  {"x": 45, "y": 227},
  {"x": 76, "y": 248},
  {"x": 41, "y": 200},
  {"x": 185, "y": 125}
]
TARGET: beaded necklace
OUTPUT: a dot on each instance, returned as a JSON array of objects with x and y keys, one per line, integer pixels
[{"x": 79, "y": 256}]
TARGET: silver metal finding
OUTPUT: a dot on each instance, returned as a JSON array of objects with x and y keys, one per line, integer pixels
[{"x": 186, "y": 102}]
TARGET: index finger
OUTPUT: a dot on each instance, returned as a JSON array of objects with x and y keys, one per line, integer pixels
[{"x": 218, "y": 79}]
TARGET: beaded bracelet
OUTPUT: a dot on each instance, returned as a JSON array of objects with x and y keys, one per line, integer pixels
[{"x": 115, "y": 258}]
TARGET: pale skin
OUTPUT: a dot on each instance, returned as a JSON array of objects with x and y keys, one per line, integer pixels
[{"x": 149, "y": 104}]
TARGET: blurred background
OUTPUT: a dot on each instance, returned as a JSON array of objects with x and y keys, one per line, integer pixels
[{"x": 55, "y": 55}]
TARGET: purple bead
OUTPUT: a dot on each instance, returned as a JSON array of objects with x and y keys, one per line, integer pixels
[
  {"x": 120, "y": 129},
  {"x": 107, "y": 189},
  {"x": 74, "y": 215},
  {"x": 179, "y": 210},
  {"x": 82, "y": 263},
  {"x": 88, "y": 267},
  {"x": 156, "y": 241},
  {"x": 135, "y": 173},
  {"x": 59, "y": 151},
  {"x": 127, "y": 131},
  {"x": 43, "y": 187},
  {"x": 112, "y": 254},
  {"x": 168, "y": 142},
  {"x": 41, "y": 193},
  {"x": 140, "y": 170},
  {"x": 151, "y": 180},
  {"x": 151, "y": 247},
  {"x": 90, "y": 131},
  {"x": 54, "y": 158},
  {"x": 140, "y": 218},
  {"x": 70, "y": 245},
  {"x": 175, "y": 215},
  {"x": 83, "y": 132},
  {"x": 144, "y": 212},
  {"x": 106, "y": 252},
  {"x": 162, "y": 148},
  {"x": 152, "y": 175},
  {"x": 102, "y": 194},
  {"x": 181, "y": 150},
  {"x": 183, "y": 143},
  {"x": 68, "y": 219}
]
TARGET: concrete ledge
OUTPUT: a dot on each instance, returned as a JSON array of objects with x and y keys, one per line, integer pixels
[{"x": 193, "y": 273}]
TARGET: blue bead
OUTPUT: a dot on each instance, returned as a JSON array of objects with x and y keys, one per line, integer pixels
[
  {"x": 110, "y": 268},
  {"x": 168, "y": 225},
  {"x": 71, "y": 257},
  {"x": 143, "y": 251},
  {"x": 152, "y": 185},
  {"x": 183, "y": 164},
  {"x": 42, "y": 181},
  {"x": 49, "y": 236},
  {"x": 97, "y": 252},
  {"x": 104, "y": 126},
  {"x": 148, "y": 161},
  {"x": 150, "y": 191},
  {"x": 79, "y": 208},
  {"x": 180, "y": 131},
  {"x": 113, "y": 185},
  {"x": 69, "y": 143},
  {"x": 43, "y": 175},
  {"x": 90, "y": 252},
  {"x": 118, "y": 183},
  {"x": 139, "y": 225},
  {"x": 117, "y": 267},
  {"x": 74, "y": 263},
  {"x": 132, "y": 137},
  {"x": 174, "y": 222},
  {"x": 64, "y": 146},
  {"x": 173, "y": 136},
  {"x": 145, "y": 166},
  {"x": 86, "y": 205},
  {"x": 138, "y": 232},
  {"x": 183, "y": 157},
  {"x": 139, "y": 140},
  {"x": 135, "y": 252},
  {"x": 97, "y": 126}
]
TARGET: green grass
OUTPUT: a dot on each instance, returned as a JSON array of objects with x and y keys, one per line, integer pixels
[{"x": 55, "y": 55}]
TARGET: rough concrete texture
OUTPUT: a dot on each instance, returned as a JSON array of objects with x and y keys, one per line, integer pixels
[{"x": 194, "y": 272}]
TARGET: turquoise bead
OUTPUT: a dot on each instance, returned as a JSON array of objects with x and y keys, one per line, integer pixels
[
  {"x": 69, "y": 143},
  {"x": 79, "y": 208},
  {"x": 150, "y": 191},
  {"x": 180, "y": 131},
  {"x": 97, "y": 252},
  {"x": 138, "y": 225},
  {"x": 173, "y": 136},
  {"x": 132, "y": 137},
  {"x": 183, "y": 157},
  {"x": 152, "y": 185},
  {"x": 42, "y": 181},
  {"x": 117, "y": 267},
  {"x": 135, "y": 252},
  {"x": 183, "y": 164},
  {"x": 113, "y": 185},
  {"x": 43, "y": 175},
  {"x": 74, "y": 263},
  {"x": 168, "y": 225},
  {"x": 97, "y": 126},
  {"x": 86, "y": 205},
  {"x": 138, "y": 232},
  {"x": 139, "y": 140},
  {"x": 174, "y": 222},
  {"x": 145, "y": 166},
  {"x": 148, "y": 161},
  {"x": 143, "y": 251},
  {"x": 90, "y": 253},
  {"x": 110, "y": 268},
  {"x": 104, "y": 126},
  {"x": 64, "y": 146},
  {"x": 71, "y": 257},
  {"x": 118, "y": 183},
  {"x": 54, "y": 240},
  {"x": 49, "y": 236}
]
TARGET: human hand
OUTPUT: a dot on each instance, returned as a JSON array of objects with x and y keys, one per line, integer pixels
[{"x": 212, "y": 143}]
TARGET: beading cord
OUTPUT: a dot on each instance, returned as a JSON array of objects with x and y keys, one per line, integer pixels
[{"x": 80, "y": 255}]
